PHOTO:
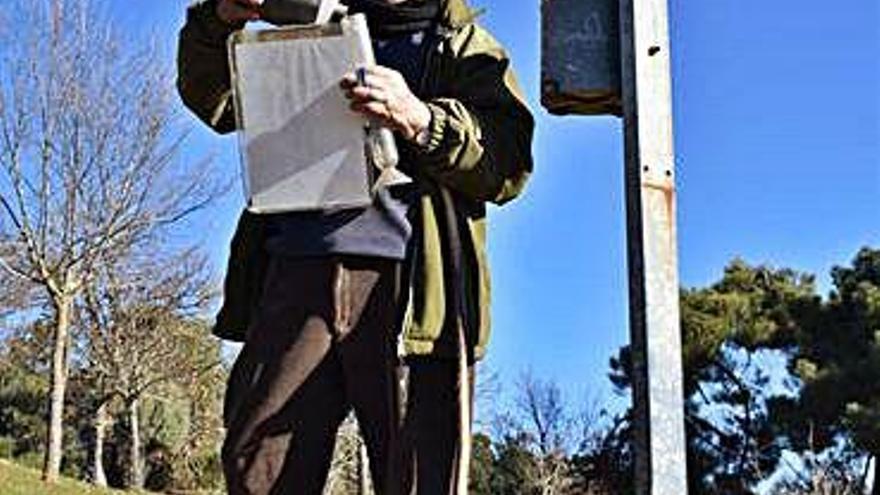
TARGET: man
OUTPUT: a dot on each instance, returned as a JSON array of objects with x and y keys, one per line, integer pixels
[{"x": 316, "y": 296}]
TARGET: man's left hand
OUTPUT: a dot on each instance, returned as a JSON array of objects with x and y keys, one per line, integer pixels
[{"x": 382, "y": 95}]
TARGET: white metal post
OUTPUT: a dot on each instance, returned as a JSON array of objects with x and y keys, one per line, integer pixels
[{"x": 652, "y": 252}]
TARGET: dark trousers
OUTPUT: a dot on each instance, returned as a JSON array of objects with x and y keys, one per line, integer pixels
[
  {"x": 431, "y": 426},
  {"x": 324, "y": 342}
]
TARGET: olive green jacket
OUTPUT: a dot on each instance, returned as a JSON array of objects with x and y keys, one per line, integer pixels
[{"x": 479, "y": 151}]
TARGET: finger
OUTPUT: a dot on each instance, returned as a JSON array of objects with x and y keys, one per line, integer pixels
[
  {"x": 348, "y": 81},
  {"x": 351, "y": 80},
  {"x": 364, "y": 93},
  {"x": 365, "y": 75},
  {"x": 381, "y": 71},
  {"x": 378, "y": 75},
  {"x": 355, "y": 94},
  {"x": 377, "y": 80},
  {"x": 358, "y": 97},
  {"x": 374, "y": 110}
]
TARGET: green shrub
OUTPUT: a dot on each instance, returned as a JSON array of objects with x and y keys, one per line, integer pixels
[
  {"x": 33, "y": 460},
  {"x": 7, "y": 447},
  {"x": 210, "y": 472}
]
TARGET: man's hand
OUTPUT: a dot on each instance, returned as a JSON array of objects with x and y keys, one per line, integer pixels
[
  {"x": 238, "y": 11},
  {"x": 381, "y": 94}
]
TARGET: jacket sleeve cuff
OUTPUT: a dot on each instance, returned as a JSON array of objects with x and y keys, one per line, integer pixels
[
  {"x": 436, "y": 128},
  {"x": 212, "y": 28}
]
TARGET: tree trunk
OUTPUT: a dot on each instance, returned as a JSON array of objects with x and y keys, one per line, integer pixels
[
  {"x": 363, "y": 470},
  {"x": 136, "y": 468},
  {"x": 102, "y": 420},
  {"x": 52, "y": 459},
  {"x": 875, "y": 489}
]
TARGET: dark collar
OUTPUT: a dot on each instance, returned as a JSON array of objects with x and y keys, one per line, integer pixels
[{"x": 388, "y": 20}]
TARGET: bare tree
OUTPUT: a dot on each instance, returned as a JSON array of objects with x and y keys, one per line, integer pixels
[
  {"x": 487, "y": 394},
  {"x": 541, "y": 423},
  {"x": 204, "y": 430},
  {"x": 88, "y": 147},
  {"x": 141, "y": 335}
]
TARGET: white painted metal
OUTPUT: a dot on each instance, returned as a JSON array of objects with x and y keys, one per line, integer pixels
[{"x": 651, "y": 220}]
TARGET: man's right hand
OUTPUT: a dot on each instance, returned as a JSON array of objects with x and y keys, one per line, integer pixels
[{"x": 238, "y": 11}]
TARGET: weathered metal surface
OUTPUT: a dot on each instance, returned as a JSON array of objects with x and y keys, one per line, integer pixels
[
  {"x": 652, "y": 250},
  {"x": 580, "y": 61}
]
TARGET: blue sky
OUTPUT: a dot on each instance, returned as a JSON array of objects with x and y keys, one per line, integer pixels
[{"x": 777, "y": 112}]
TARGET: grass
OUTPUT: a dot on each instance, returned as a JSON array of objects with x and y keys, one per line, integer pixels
[{"x": 19, "y": 480}]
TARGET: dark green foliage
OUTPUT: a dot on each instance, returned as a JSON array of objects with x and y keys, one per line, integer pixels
[
  {"x": 751, "y": 341},
  {"x": 23, "y": 389},
  {"x": 837, "y": 359},
  {"x": 606, "y": 467},
  {"x": 731, "y": 331},
  {"x": 821, "y": 399},
  {"x": 513, "y": 465},
  {"x": 482, "y": 465},
  {"x": 22, "y": 410},
  {"x": 510, "y": 465}
]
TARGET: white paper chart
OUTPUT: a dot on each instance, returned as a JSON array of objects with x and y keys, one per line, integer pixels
[{"x": 302, "y": 147}]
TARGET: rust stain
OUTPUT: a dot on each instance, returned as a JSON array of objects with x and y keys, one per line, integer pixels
[{"x": 667, "y": 187}]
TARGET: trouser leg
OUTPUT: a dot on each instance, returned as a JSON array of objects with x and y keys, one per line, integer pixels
[
  {"x": 369, "y": 359},
  {"x": 286, "y": 397},
  {"x": 281, "y": 439},
  {"x": 323, "y": 341},
  {"x": 431, "y": 429}
]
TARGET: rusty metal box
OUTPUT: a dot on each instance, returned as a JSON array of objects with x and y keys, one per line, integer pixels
[{"x": 580, "y": 57}]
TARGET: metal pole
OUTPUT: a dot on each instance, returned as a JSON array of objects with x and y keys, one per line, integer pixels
[{"x": 660, "y": 461}]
